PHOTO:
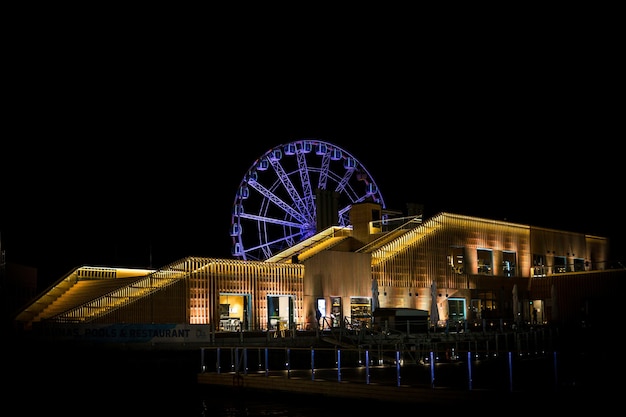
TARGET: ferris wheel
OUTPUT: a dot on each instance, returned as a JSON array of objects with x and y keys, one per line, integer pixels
[{"x": 277, "y": 201}]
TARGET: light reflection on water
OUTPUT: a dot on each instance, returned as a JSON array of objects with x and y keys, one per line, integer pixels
[{"x": 529, "y": 378}]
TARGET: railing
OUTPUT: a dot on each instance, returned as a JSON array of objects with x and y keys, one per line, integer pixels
[{"x": 514, "y": 361}]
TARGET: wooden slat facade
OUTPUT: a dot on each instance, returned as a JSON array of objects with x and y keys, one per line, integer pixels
[{"x": 475, "y": 260}]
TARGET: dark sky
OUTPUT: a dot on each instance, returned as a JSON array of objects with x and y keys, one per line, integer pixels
[{"x": 126, "y": 167}]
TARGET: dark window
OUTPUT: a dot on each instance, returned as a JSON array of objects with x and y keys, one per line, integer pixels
[
  {"x": 456, "y": 308},
  {"x": 560, "y": 264},
  {"x": 579, "y": 264}
]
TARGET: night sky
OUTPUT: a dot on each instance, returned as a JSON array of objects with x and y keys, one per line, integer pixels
[{"x": 141, "y": 169}]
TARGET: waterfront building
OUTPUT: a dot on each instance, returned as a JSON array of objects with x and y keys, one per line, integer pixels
[{"x": 465, "y": 272}]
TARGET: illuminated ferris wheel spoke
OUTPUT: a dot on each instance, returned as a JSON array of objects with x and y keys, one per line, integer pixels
[
  {"x": 305, "y": 180},
  {"x": 269, "y": 244},
  {"x": 284, "y": 239},
  {"x": 287, "y": 241},
  {"x": 344, "y": 181},
  {"x": 344, "y": 215},
  {"x": 288, "y": 185},
  {"x": 276, "y": 202},
  {"x": 270, "y": 220},
  {"x": 280, "y": 203},
  {"x": 345, "y": 187},
  {"x": 324, "y": 171}
]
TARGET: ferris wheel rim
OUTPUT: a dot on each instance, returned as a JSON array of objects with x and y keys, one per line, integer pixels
[{"x": 292, "y": 195}]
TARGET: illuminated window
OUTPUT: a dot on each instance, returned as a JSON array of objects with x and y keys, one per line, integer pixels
[
  {"x": 361, "y": 311},
  {"x": 508, "y": 264},
  {"x": 456, "y": 259},
  {"x": 485, "y": 262},
  {"x": 539, "y": 266}
]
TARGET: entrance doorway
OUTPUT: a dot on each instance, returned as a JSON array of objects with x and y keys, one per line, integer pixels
[
  {"x": 456, "y": 310},
  {"x": 280, "y": 312},
  {"x": 234, "y": 312}
]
